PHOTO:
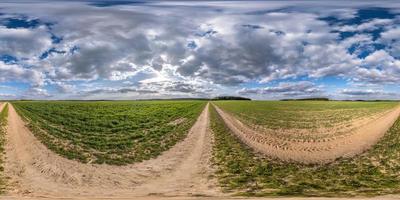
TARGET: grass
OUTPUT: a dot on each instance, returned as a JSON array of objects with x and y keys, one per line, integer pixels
[
  {"x": 314, "y": 118},
  {"x": 115, "y": 133},
  {"x": 3, "y": 124},
  {"x": 241, "y": 171},
  {"x": 301, "y": 114}
]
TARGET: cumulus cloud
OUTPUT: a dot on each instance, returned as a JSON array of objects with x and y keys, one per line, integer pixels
[
  {"x": 64, "y": 87},
  {"x": 14, "y": 72},
  {"x": 390, "y": 38},
  {"x": 302, "y": 88},
  {"x": 36, "y": 93},
  {"x": 367, "y": 26},
  {"x": 182, "y": 87},
  {"x": 24, "y": 43},
  {"x": 7, "y": 96},
  {"x": 117, "y": 91},
  {"x": 357, "y": 92},
  {"x": 218, "y": 46},
  {"x": 379, "y": 67}
]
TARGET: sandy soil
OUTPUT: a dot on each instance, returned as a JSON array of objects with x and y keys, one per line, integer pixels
[
  {"x": 321, "y": 133},
  {"x": 318, "y": 151},
  {"x": 37, "y": 172},
  {"x": 389, "y": 197},
  {"x": 183, "y": 172}
]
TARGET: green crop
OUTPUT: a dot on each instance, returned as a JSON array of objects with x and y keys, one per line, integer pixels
[
  {"x": 241, "y": 171},
  {"x": 110, "y": 132},
  {"x": 321, "y": 118}
]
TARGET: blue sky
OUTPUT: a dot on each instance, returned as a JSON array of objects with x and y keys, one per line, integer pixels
[{"x": 170, "y": 49}]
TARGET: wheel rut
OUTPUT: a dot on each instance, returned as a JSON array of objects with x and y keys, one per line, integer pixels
[
  {"x": 36, "y": 172},
  {"x": 327, "y": 151}
]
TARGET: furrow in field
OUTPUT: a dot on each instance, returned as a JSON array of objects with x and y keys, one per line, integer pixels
[
  {"x": 319, "y": 151},
  {"x": 36, "y": 171}
]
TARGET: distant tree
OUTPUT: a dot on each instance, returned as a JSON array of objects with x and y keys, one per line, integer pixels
[{"x": 231, "y": 98}]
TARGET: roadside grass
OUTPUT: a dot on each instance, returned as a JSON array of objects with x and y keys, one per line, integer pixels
[
  {"x": 115, "y": 133},
  {"x": 243, "y": 172},
  {"x": 3, "y": 124}
]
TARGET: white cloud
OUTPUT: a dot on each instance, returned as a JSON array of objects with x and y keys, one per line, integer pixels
[
  {"x": 24, "y": 43},
  {"x": 284, "y": 89},
  {"x": 218, "y": 46},
  {"x": 13, "y": 72},
  {"x": 369, "y": 92},
  {"x": 367, "y": 26}
]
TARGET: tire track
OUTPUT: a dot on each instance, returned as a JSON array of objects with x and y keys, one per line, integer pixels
[
  {"x": 322, "y": 151},
  {"x": 35, "y": 171}
]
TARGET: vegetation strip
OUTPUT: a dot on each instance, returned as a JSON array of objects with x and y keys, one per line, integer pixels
[
  {"x": 3, "y": 129},
  {"x": 110, "y": 132},
  {"x": 240, "y": 170}
]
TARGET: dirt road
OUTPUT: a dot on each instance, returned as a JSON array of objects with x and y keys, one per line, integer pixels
[
  {"x": 183, "y": 172},
  {"x": 37, "y": 172},
  {"x": 389, "y": 197},
  {"x": 349, "y": 145}
]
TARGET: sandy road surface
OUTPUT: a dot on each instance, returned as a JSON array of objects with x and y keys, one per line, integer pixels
[
  {"x": 37, "y": 172},
  {"x": 313, "y": 152},
  {"x": 389, "y": 197}
]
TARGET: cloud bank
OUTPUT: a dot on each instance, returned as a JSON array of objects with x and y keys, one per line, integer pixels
[{"x": 158, "y": 49}]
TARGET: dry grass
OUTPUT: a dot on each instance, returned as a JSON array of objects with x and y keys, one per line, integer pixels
[{"x": 3, "y": 124}]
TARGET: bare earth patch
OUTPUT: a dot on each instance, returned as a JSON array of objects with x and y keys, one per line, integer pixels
[
  {"x": 313, "y": 151},
  {"x": 37, "y": 172},
  {"x": 177, "y": 121}
]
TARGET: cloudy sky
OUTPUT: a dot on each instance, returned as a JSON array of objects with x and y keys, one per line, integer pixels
[{"x": 164, "y": 49}]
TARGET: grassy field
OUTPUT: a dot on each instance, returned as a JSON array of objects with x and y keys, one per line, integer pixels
[
  {"x": 321, "y": 118},
  {"x": 110, "y": 132},
  {"x": 242, "y": 172},
  {"x": 3, "y": 123}
]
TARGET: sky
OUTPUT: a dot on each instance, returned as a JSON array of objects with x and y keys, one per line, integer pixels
[{"x": 269, "y": 50}]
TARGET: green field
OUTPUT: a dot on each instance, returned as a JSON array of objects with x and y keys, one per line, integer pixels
[
  {"x": 241, "y": 171},
  {"x": 3, "y": 123},
  {"x": 110, "y": 132},
  {"x": 323, "y": 118}
]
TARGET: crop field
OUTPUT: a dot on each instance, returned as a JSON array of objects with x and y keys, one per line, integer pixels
[
  {"x": 242, "y": 171},
  {"x": 305, "y": 120},
  {"x": 110, "y": 132},
  {"x": 3, "y": 123},
  {"x": 245, "y": 148}
]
